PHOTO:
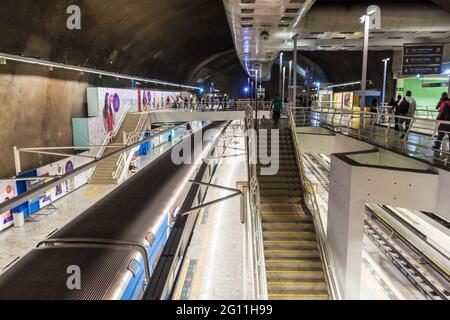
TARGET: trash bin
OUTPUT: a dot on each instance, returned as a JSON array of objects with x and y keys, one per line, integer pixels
[{"x": 19, "y": 219}]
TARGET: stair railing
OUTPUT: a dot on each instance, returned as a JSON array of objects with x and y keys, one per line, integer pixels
[
  {"x": 138, "y": 134},
  {"x": 253, "y": 224},
  {"x": 122, "y": 118},
  {"x": 100, "y": 152},
  {"x": 312, "y": 204}
]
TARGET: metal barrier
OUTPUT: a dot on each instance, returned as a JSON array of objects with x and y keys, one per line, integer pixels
[
  {"x": 310, "y": 200},
  {"x": 253, "y": 223},
  {"x": 418, "y": 137}
]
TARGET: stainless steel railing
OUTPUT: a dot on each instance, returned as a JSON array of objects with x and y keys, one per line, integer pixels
[
  {"x": 310, "y": 200},
  {"x": 253, "y": 223},
  {"x": 418, "y": 137}
]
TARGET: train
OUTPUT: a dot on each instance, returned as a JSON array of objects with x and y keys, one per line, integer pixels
[{"x": 115, "y": 249}]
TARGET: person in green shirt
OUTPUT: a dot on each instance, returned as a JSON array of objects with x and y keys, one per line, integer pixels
[{"x": 277, "y": 104}]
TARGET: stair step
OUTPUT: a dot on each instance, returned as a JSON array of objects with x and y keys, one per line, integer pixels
[
  {"x": 280, "y": 173},
  {"x": 297, "y": 287},
  {"x": 287, "y": 235},
  {"x": 276, "y": 185},
  {"x": 295, "y": 276},
  {"x": 290, "y": 244},
  {"x": 280, "y": 192},
  {"x": 282, "y": 209},
  {"x": 278, "y": 179},
  {"x": 287, "y": 253},
  {"x": 278, "y": 199},
  {"x": 286, "y": 227},
  {"x": 303, "y": 296}
]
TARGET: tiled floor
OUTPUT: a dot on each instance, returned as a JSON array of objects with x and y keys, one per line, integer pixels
[
  {"x": 17, "y": 242},
  {"x": 213, "y": 268}
]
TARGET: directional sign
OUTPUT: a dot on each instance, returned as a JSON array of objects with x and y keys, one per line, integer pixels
[{"x": 422, "y": 59}]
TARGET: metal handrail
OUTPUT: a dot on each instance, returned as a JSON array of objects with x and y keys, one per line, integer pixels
[
  {"x": 121, "y": 120},
  {"x": 255, "y": 225},
  {"x": 311, "y": 199},
  {"x": 362, "y": 124},
  {"x": 125, "y": 157},
  {"x": 100, "y": 152}
]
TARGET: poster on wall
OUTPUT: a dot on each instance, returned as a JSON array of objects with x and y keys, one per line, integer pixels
[
  {"x": 7, "y": 191},
  {"x": 347, "y": 99},
  {"x": 62, "y": 167}
]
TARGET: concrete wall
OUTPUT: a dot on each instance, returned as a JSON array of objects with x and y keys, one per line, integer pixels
[{"x": 36, "y": 111}]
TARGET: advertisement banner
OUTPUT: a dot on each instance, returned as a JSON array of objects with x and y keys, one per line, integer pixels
[{"x": 7, "y": 191}]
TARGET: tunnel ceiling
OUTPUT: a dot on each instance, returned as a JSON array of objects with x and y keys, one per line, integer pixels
[{"x": 166, "y": 39}]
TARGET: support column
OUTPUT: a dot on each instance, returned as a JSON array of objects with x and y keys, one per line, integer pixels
[
  {"x": 345, "y": 229},
  {"x": 294, "y": 85}
]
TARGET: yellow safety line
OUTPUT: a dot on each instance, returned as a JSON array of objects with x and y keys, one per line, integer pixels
[
  {"x": 289, "y": 241},
  {"x": 183, "y": 279},
  {"x": 287, "y": 260},
  {"x": 295, "y": 283},
  {"x": 284, "y": 232},
  {"x": 288, "y": 251},
  {"x": 291, "y": 271},
  {"x": 298, "y": 295}
]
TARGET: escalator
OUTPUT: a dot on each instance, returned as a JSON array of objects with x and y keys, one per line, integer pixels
[{"x": 294, "y": 268}]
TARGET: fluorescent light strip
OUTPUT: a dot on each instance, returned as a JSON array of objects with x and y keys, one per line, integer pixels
[
  {"x": 344, "y": 84},
  {"x": 41, "y": 62}
]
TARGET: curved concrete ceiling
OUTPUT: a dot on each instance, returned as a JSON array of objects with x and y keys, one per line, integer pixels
[
  {"x": 169, "y": 40},
  {"x": 329, "y": 25}
]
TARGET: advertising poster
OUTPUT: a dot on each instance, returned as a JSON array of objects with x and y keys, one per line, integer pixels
[
  {"x": 7, "y": 191},
  {"x": 347, "y": 99},
  {"x": 61, "y": 168}
]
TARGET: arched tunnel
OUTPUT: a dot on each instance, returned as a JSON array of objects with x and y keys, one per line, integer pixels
[{"x": 188, "y": 42}]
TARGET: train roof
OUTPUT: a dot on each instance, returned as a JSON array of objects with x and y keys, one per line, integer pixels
[{"x": 42, "y": 274}]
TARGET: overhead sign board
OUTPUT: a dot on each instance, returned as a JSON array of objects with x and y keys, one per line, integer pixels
[{"x": 422, "y": 59}]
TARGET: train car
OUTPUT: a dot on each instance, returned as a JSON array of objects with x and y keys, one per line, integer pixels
[{"x": 110, "y": 252}]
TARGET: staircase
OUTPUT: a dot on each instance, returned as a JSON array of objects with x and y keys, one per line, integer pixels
[
  {"x": 103, "y": 173},
  {"x": 293, "y": 264}
]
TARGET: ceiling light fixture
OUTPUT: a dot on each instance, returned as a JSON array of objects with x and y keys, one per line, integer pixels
[{"x": 5, "y": 56}]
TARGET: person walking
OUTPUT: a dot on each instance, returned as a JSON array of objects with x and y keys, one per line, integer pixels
[
  {"x": 444, "y": 115},
  {"x": 277, "y": 105},
  {"x": 443, "y": 99},
  {"x": 396, "y": 111},
  {"x": 407, "y": 108}
]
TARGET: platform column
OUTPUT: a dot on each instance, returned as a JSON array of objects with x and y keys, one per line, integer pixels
[{"x": 345, "y": 230}]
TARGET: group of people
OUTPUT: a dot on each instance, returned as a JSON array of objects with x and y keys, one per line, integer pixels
[
  {"x": 404, "y": 107},
  {"x": 209, "y": 102}
]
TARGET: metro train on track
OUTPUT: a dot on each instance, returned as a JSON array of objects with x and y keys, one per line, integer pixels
[{"x": 119, "y": 244}]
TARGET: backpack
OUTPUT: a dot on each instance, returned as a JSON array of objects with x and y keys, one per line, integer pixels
[{"x": 403, "y": 107}]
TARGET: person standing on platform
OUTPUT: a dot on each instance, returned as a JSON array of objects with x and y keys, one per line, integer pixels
[
  {"x": 374, "y": 111},
  {"x": 277, "y": 105},
  {"x": 444, "y": 128}
]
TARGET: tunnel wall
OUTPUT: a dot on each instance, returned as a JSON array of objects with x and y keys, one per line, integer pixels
[{"x": 37, "y": 111}]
